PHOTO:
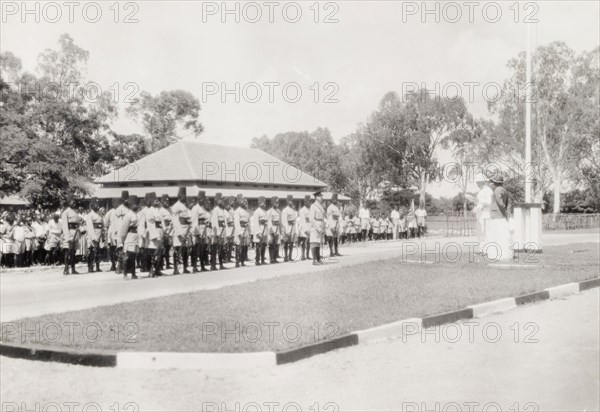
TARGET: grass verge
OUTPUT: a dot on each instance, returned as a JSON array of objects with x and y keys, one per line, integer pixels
[{"x": 292, "y": 311}]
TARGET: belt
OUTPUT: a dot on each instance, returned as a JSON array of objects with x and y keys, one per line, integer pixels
[
  {"x": 243, "y": 224},
  {"x": 158, "y": 225},
  {"x": 221, "y": 223},
  {"x": 132, "y": 229},
  {"x": 97, "y": 225},
  {"x": 262, "y": 222},
  {"x": 184, "y": 220},
  {"x": 73, "y": 226},
  {"x": 230, "y": 224}
]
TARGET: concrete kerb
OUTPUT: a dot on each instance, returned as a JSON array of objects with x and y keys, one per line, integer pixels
[{"x": 184, "y": 360}]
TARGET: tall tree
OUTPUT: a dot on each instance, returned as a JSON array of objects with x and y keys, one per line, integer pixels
[
  {"x": 558, "y": 120},
  {"x": 52, "y": 137},
  {"x": 314, "y": 153},
  {"x": 165, "y": 115}
]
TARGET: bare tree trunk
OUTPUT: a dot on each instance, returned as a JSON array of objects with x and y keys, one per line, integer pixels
[
  {"x": 423, "y": 189},
  {"x": 556, "y": 205}
]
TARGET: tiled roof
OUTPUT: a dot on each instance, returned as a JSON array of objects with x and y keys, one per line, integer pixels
[
  {"x": 190, "y": 160},
  {"x": 192, "y": 191}
]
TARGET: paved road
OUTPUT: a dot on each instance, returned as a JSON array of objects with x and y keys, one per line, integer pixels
[
  {"x": 34, "y": 293},
  {"x": 546, "y": 358}
]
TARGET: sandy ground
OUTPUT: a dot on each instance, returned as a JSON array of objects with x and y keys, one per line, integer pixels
[{"x": 541, "y": 357}]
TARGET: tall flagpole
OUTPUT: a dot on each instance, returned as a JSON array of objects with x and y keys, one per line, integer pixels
[{"x": 529, "y": 96}]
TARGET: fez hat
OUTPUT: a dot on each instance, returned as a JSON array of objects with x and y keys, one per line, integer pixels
[
  {"x": 133, "y": 201},
  {"x": 93, "y": 202},
  {"x": 290, "y": 198},
  {"x": 261, "y": 199},
  {"x": 164, "y": 198},
  {"x": 150, "y": 198},
  {"x": 274, "y": 199},
  {"x": 182, "y": 192},
  {"x": 201, "y": 195},
  {"x": 306, "y": 198},
  {"x": 334, "y": 197},
  {"x": 240, "y": 198},
  {"x": 124, "y": 195},
  {"x": 218, "y": 197},
  {"x": 318, "y": 193}
]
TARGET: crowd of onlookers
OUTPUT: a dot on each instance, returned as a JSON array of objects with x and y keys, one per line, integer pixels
[{"x": 33, "y": 236}]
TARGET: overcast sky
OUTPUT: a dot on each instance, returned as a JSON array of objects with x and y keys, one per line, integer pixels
[{"x": 374, "y": 47}]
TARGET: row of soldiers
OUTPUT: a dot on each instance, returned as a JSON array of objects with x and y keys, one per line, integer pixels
[{"x": 142, "y": 232}]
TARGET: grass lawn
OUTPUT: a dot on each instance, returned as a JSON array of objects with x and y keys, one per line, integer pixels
[{"x": 291, "y": 311}]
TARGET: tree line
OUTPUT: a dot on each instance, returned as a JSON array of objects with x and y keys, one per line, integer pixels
[{"x": 58, "y": 142}]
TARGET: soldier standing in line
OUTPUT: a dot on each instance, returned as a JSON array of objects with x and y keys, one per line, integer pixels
[
  {"x": 154, "y": 233},
  {"x": 317, "y": 227},
  {"x": 350, "y": 229},
  {"x": 241, "y": 220},
  {"x": 230, "y": 229},
  {"x": 142, "y": 255},
  {"x": 274, "y": 228},
  {"x": 304, "y": 228},
  {"x": 53, "y": 236},
  {"x": 95, "y": 231},
  {"x": 260, "y": 233},
  {"x": 332, "y": 231},
  {"x": 288, "y": 224},
  {"x": 167, "y": 240},
  {"x": 365, "y": 219},
  {"x": 357, "y": 228},
  {"x": 119, "y": 214},
  {"x": 219, "y": 226},
  {"x": 208, "y": 206},
  {"x": 128, "y": 235},
  {"x": 70, "y": 235},
  {"x": 200, "y": 218},
  {"x": 182, "y": 220},
  {"x": 109, "y": 227}
]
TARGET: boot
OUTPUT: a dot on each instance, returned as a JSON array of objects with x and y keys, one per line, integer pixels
[
  {"x": 213, "y": 258},
  {"x": 221, "y": 259},
  {"x": 303, "y": 255},
  {"x": 73, "y": 271},
  {"x": 202, "y": 259},
  {"x": 98, "y": 266},
  {"x": 285, "y": 252},
  {"x": 257, "y": 249},
  {"x": 290, "y": 251},
  {"x": 176, "y": 255},
  {"x": 237, "y": 256},
  {"x": 112, "y": 255},
  {"x": 66, "y": 271},
  {"x": 263, "y": 251},
  {"x": 335, "y": 246},
  {"x": 314, "y": 256},
  {"x": 244, "y": 255}
]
